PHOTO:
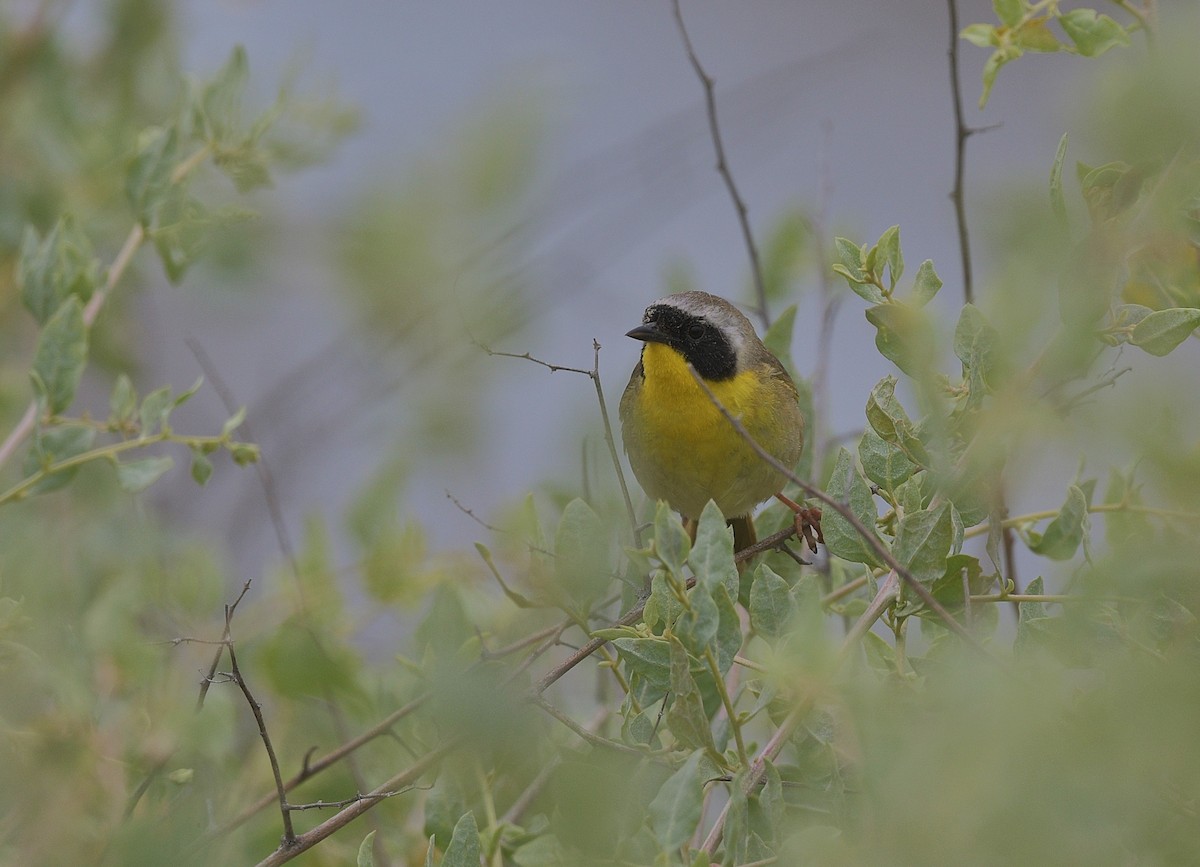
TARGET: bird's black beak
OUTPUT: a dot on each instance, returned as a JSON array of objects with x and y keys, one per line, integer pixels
[{"x": 647, "y": 332}]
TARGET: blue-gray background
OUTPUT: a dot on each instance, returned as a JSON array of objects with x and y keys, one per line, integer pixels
[{"x": 842, "y": 108}]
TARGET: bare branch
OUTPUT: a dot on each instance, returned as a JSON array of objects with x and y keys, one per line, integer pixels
[
  {"x": 289, "y": 834},
  {"x": 303, "y": 842},
  {"x": 710, "y": 102},
  {"x": 961, "y": 134},
  {"x": 312, "y": 768}
]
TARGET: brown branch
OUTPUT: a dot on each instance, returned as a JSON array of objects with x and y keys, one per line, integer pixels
[
  {"x": 311, "y": 769},
  {"x": 303, "y": 842},
  {"x": 842, "y": 509},
  {"x": 289, "y": 834},
  {"x": 225, "y": 642},
  {"x": 961, "y": 133},
  {"x": 710, "y": 102}
]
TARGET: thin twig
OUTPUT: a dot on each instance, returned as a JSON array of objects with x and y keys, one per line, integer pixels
[
  {"x": 225, "y": 642},
  {"x": 303, "y": 842},
  {"x": 842, "y": 509},
  {"x": 594, "y": 375},
  {"x": 710, "y": 102},
  {"x": 589, "y": 736},
  {"x": 311, "y": 769},
  {"x": 471, "y": 514},
  {"x": 289, "y": 833},
  {"x": 961, "y": 133}
]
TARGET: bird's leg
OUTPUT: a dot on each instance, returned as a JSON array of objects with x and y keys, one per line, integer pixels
[{"x": 808, "y": 522}]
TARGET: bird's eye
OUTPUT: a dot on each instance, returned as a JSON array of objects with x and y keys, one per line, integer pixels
[{"x": 695, "y": 331}]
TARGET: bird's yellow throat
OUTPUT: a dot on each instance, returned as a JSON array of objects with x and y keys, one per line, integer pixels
[{"x": 672, "y": 403}]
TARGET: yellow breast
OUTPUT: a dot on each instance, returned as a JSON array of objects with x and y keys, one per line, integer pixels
[{"x": 684, "y": 451}]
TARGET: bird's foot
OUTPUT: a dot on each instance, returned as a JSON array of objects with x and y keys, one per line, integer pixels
[{"x": 808, "y": 522}]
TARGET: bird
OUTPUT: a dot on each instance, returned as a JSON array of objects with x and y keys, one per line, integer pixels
[{"x": 680, "y": 446}]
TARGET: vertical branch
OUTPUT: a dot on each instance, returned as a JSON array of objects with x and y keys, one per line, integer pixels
[
  {"x": 961, "y": 133},
  {"x": 289, "y": 835},
  {"x": 710, "y": 102}
]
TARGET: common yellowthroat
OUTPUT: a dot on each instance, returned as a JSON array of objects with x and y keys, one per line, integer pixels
[{"x": 680, "y": 447}]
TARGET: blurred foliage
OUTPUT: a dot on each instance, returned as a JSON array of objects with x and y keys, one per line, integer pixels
[{"x": 736, "y": 716}]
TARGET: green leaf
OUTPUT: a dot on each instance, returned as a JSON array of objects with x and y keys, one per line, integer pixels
[
  {"x": 884, "y": 463},
  {"x": 982, "y": 35},
  {"x": 948, "y": 589},
  {"x": 671, "y": 542},
  {"x": 888, "y": 418},
  {"x": 51, "y": 446},
  {"x": 122, "y": 403},
  {"x": 926, "y": 284},
  {"x": 61, "y": 356},
  {"x": 850, "y": 266},
  {"x": 135, "y": 476},
  {"x": 180, "y": 232},
  {"x": 848, "y": 487},
  {"x": 923, "y": 542},
  {"x": 52, "y": 269},
  {"x": 903, "y": 336},
  {"x": 675, "y": 811},
  {"x": 1035, "y": 35},
  {"x": 1028, "y": 615},
  {"x": 975, "y": 343},
  {"x": 1093, "y": 34},
  {"x": 880, "y": 655},
  {"x": 201, "y": 467},
  {"x": 1010, "y": 12},
  {"x": 1002, "y": 55},
  {"x": 770, "y": 603},
  {"x": 1064, "y": 534},
  {"x": 1163, "y": 330},
  {"x": 464, "y": 849},
  {"x": 686, "y": 717},
  {"x": 245, "y": 165},
  {"x": 697, "y": 627},
  {"x": 581, "y": 551},
  {"x": 650, "y": 658},
  {"x": 233, "y": 422},
  {"x": 244, "y": 453},
  {"x": 156, "y": 410},
  {"x": 663, "y": 606},
  {"x": 217, "y": 110},
  {"x": 711, "y": 557},
  {"x": 148, "y": 182},
  {"x": 1058, "y": 203},
  {"x": 365, "y": 856},
  {"x": 890, "y": 254},
  {"x": 778, "y": 338},
  {"x": 729, "y": 631}
]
